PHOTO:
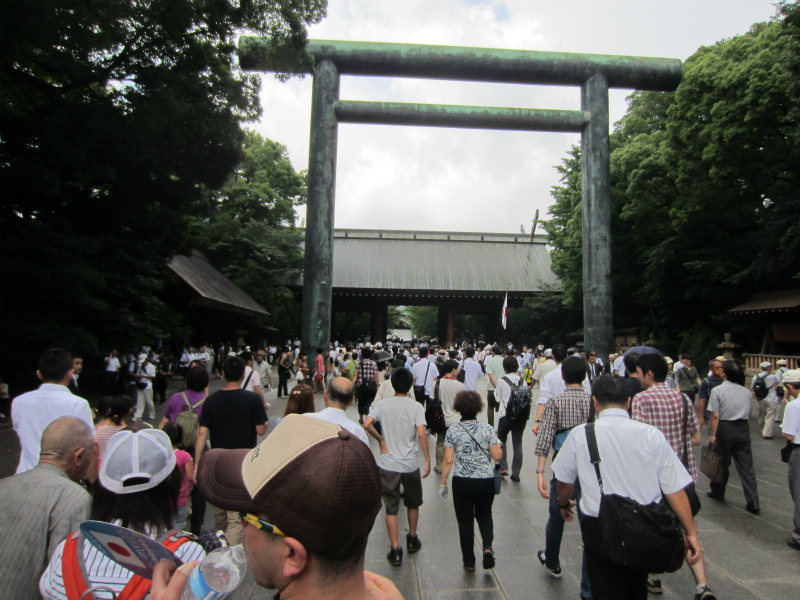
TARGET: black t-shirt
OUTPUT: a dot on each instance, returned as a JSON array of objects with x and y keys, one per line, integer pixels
[{"x": 232, "y": 417}]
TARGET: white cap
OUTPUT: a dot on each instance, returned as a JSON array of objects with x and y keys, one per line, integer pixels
[
  {"x": 765, "y": 365},
  {"x": 146, "y": 456},
  {"x": 548, "y": 353},
  {"x": 378, "y": 345}
]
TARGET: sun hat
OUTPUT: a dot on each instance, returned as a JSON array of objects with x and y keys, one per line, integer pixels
[
  {"x": 792, "y": 377},
  {"x": 312, "y": 479},
  {"x": 669, "y": 361},
  {"x": 782, "y": 361},
  {"x": 137, "y": 461}
]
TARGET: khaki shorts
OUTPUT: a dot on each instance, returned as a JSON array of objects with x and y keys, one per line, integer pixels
[{"x": 390, "y": 490}]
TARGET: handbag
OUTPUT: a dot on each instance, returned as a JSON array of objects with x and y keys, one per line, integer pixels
[
  {"x": 691, "y": 492},
  {"x": 786, "y": 451},
  {"x": 434, "y": 413},
  {"x": 461, "y": 376},
  {"x": 631, "y": 535},
  {"x": 498, "y": 475},
  {"x": 711, "y": 463}
]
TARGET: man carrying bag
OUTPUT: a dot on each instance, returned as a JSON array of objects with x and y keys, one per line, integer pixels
[{"x": 623, "y": 467}]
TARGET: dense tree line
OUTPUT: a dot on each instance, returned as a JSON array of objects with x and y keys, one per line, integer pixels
[
  {"x": 705, "y": 193},
  {"x": 116, "y": 119}
]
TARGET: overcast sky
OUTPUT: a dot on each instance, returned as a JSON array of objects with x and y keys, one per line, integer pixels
[{"x": 441, "y": 179}]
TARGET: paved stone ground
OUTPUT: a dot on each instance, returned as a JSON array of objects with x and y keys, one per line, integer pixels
[{"x": 746, "y": 555}]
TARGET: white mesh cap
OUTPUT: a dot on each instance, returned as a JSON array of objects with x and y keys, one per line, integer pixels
[{"x": 135, "y": 462}]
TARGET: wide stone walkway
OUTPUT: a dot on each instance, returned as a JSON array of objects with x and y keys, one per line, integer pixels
[{"x": 746, "y": 555}]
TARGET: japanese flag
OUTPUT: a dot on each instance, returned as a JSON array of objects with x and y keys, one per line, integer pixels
[{"x": 505, "y": 311}]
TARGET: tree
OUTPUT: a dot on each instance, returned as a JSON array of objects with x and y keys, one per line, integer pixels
[
  {"x": 704, "y": 184},
  {"x": 113, "y": 117},
  {"x": 247, "y": 226}
]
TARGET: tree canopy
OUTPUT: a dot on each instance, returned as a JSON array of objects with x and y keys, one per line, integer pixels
[
  {"x": 115, "y": 117},
  {"x": 705, "y": 191}
]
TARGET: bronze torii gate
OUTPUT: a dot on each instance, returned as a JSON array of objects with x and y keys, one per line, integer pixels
[{"x": 594, "y": 73}]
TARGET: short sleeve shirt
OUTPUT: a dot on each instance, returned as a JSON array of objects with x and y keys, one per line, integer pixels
[
  {"x": 791, "y": 421},
  {"x": 231, "y": 417},
  {"x": 399, "y": 418},
  {"x": 731, "y": 401},
  {"x": 472, "y": 455},
  {"x": 771, "y": 381}
]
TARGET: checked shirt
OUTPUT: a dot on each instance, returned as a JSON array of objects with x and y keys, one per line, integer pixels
[
  {"x": 565, "y": 411},
  {"x": 662, "y": 407},
  {"x": 365, "y": 371}
]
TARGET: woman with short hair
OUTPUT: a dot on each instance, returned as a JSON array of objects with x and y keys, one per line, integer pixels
[{"x": 470, "y": 448}]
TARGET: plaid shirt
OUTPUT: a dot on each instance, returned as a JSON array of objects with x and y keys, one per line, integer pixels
[
  {"x": 565, "y": 411},
  {"x": 368, "y": 368},
  {"x": 662, "y": 407}
]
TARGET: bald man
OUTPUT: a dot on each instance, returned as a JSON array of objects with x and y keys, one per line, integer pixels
[
  {"x": 339, "y": 394},
  {"x": 41, "y": 507}
]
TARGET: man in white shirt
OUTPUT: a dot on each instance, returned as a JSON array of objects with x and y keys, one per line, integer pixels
[
  {"x": 144, "y": 373},
  {"x": 791, "y": 431},
  {"x": 31, "y": 413},
  {"x": 504, "y": 424},
  {"x": 112, "y": 372},
  {"x": 425, "y": 374},
  {"x": 638, "y": 463},
  {"x": 448, "y": 386},
  {"x": 252, "y": 380},
  {"x": 472, "y": 371},
  {"x": 264, "y": 370},
  {"x": 339, "y": 395}
]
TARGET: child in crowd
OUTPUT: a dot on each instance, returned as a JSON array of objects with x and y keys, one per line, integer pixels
[{"x": 184, "y": 463}]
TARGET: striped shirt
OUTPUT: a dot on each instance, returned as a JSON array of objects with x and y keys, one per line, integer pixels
[
  {"x": 102, "y": 571},
  {"x": 565, "y": 411}
]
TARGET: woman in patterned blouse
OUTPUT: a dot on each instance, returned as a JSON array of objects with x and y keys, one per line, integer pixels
[{"x": 470, "y": 450}]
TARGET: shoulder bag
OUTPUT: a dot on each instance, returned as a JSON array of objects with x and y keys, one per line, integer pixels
[
  {"x": 419, "y": 390},
  {"x": 691, "y": 493},
  {"x": 461, "y": 377},
  {"x": 631, "y": 535},
  {"x": 498, "y": 476},
  {"x": 434, "y": 413}
]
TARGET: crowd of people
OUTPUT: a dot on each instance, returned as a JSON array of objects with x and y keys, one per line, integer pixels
[{"x": 619, "y": 433}]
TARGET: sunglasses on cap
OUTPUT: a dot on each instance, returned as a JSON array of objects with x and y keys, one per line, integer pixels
[{"x": 259, "y": 523}]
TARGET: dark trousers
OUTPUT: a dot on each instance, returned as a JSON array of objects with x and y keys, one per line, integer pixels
[
  {"x": 609, "y": 581},
  {"x": 473, "y": 499},
  {"x": 198, "y": 511},
  {"x": 503, "y": 427},
  {"x": 733, "y": 442},
  {"x": 283, "y": 382}
]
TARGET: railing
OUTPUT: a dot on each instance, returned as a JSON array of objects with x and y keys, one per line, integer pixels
[{"x": 753, "y": 361}]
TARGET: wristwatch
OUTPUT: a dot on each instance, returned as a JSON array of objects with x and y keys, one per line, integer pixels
[
  {"x": 538, "y": 421},
  {"x": 540, "y": 470},
  {"x": 563, "y": 506}
]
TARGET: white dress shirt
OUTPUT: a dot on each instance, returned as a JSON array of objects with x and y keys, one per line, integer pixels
[
  {"x": 338, "y": 417},
  {"x": 420, "y": 369},
  {"x": 31, "y": 413},
  {"x": 553, "y": 384},
  {"x": 472, "y": 372},
  {"x": 636, "y": 462}
]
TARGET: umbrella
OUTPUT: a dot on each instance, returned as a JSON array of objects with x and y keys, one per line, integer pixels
[
  {"x": 643, "y": 350},
  {"x": 380, "y": 356}
]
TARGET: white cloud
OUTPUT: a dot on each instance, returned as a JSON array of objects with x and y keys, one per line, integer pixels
[{"x": 471, "y": 180}]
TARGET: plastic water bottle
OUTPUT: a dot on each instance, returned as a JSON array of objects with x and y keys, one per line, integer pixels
[{"x": 218, "y": 575}]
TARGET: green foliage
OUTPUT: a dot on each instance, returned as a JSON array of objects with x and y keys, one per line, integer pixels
[
  {"x": 543, "y": 317},
  {"x": 424, "y": 320},
  {"x": 113, "y": 117},
  {"x": 248, "y": 226},
  {"x": 704, "y": 184}
]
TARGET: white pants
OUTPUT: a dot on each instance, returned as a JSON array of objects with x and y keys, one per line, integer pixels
[
  {"x": 145, "y": 398},
  {"x": 768, "y": 410}
]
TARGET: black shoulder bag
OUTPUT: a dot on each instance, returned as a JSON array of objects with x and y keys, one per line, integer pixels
[
  {"x": 628, "y": 534},
  {"x": 461, "y": 377},
  {"x": 691, "y": 493}
]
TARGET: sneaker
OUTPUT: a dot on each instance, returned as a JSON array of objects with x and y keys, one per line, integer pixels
[
  {"x": 488, "y": 559},
  {"x": 654, "y": 585},
  {"x": 515, "y": 478},
  {"x": 469, "y": 568},
  {"x": 395, "y": 557},
  {"x": 703, "y": 592},
  {"x": 556, "y": 571},
  {"x": 413, "y": 543}
]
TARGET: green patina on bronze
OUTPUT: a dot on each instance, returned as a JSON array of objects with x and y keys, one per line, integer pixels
[
  {"x": 594, "y": 73},
  {"x": 465, "y": 117}
]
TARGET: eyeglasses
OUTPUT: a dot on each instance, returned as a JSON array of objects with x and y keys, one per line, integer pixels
[{"x": 259, "y": 523}]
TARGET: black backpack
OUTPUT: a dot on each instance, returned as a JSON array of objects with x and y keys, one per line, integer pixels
[
  {"x": 518, "y": 408},
  {"x": 760, "y": 387}
]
